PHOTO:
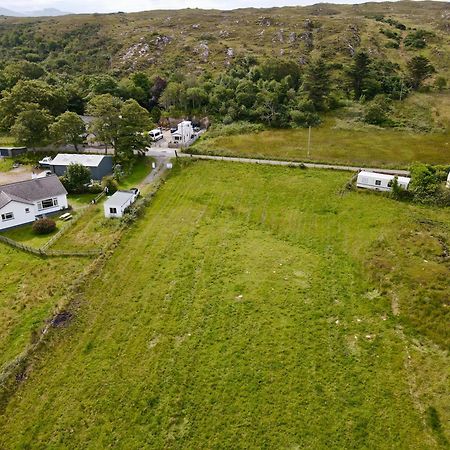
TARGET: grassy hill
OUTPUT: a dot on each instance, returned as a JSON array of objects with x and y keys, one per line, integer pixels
[
  {"x": 192, "y": 40},
  {"x": 251, "y": 307}
]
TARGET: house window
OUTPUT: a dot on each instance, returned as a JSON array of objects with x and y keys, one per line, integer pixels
[
  {"x": 377, "y": 182},
  {"x": 113, "y": 210},
  {"x": 48, "y": 203},
  {"x": 27, "y": 210},
  {"x": 7, "y": 216}
]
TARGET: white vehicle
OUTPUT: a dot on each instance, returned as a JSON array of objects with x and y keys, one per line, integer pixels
[{"x": 156, "y": 135}]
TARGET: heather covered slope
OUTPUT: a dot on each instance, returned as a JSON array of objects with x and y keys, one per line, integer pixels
[{"x": 192, "y": 41}]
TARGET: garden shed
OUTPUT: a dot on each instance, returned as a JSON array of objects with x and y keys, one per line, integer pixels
[{"x": 116, "y": 205}]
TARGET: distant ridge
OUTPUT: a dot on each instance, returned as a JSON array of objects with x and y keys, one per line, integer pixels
[{"x": 47, "y": 12}]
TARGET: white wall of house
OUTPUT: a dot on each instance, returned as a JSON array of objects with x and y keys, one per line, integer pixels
[
  {"x": 20, "y": 212},
  {"x": 59, "y": 202},
  {"x": 23, "y": 213}
]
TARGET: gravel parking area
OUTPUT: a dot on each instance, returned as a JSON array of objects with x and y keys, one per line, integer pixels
[{"x": 21, "y": 173}]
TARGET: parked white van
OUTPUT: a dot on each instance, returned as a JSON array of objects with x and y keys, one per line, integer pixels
[{"x": 156, "y": 135}]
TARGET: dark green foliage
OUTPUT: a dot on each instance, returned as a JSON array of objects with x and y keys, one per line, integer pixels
[
  {"x": 377, "y": 111},
  {"x": 397, "y": 192},
  {"x": 76, "y": 179},
  {"x": 110, "y": 185},
  {"x": 419, "y": 69},
  {"x": 427, "y": 184},
  {"x": 392, "y": 22},
  {"x": 68, "y": 129},
  {"x": 417, "y": 39},
  {"x": 317, "y": 83},
  {"x": 31, "y": 127},
  {"x": 44, "y": 226}
]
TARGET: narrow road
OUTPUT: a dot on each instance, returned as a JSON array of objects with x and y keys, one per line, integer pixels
[
  {"x": 157, "y": 171},
  {"x": 273, "y": 162}
]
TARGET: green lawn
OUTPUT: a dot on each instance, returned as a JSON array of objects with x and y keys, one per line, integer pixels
[
  {"x": 92, "y": 231},
  {"x": 363, "y": 146},
  {"x": 252, "y": 307},
  {"x": 25, "y": 234},
  {"x": 141, "y": 169}
]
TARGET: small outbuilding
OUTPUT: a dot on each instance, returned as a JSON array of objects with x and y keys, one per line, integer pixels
[
  {"x": 448, "y": 180},
  {"x": 380, "y": 181},
  {"x": 99, "y": 165},
  {"x": 12, "y": 152},
  {"x": 116, "y": 205}
]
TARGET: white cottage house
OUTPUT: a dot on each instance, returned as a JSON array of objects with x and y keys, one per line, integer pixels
[
  {"x": 25, "y": 201},
  {"x": 116, "y": 205},
  {"x": 379, "y": 181},
  {"x": 184, "y": 133}
]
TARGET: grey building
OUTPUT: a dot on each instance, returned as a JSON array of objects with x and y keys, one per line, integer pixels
[
  {"x": 12, "y": 151},
  {"x": 99, "y": 165}
]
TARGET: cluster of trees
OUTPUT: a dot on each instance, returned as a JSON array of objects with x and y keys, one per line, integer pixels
[
  {"x": 39, "y": 107},
  {"x": 428, "y": 185}
]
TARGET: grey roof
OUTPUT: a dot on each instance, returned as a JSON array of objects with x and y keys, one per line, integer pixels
[
  {"x": 119, "y": 198},
  {"x": 30, "y": 191}
]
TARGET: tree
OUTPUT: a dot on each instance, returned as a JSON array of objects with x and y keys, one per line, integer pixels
[
  {"x": 31, "y": 127},
  {"x": 358, "y": 72},
  {"x": 106, "y": 112},
  {"x": 419, "y": 69},
  {"x": 26, "y": 92},
  {"x": 76, "y": 178},
  {"x": 68, "y": 129},
  {"x": 317, "y": 83},
  {"x": 22, "y": 70},
  {"x": 134, "y": 120}
]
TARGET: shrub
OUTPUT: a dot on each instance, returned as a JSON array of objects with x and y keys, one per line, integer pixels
[
  {"x": 377, "y": 111},
  {"x": 427, "y": 184},
  {"x": 44, "y": 226},
  {"x": 76, "y": 178},
  {"x": 110, "y": 184},
  {"x": 95, "y": 188}
]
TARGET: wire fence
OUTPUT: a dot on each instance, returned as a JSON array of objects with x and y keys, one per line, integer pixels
[{"x": 43, "y": 251}]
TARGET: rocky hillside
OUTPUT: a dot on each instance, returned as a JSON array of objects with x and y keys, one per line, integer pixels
[{"x": 195, "y": 41}]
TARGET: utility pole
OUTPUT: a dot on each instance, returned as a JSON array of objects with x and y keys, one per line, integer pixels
[{"x": 309, "y": 141}]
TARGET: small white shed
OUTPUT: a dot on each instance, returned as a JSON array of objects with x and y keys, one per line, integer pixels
[
  {"x": 379, "y": 181},
  {"x": 448, "y": 180},
  {"x": 116, "y": 204}
]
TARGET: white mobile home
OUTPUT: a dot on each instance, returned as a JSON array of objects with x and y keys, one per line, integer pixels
[
  {"x": 25, "y": 201},
  {"x": 379, "y": 181},
  {"x": 116, "y": 205}
]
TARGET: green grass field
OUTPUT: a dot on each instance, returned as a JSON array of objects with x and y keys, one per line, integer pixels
[
  {"x": 364, "y": 146},
  {"x": 252, "y": 307},
  {"x": 31, "y": 288}
]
